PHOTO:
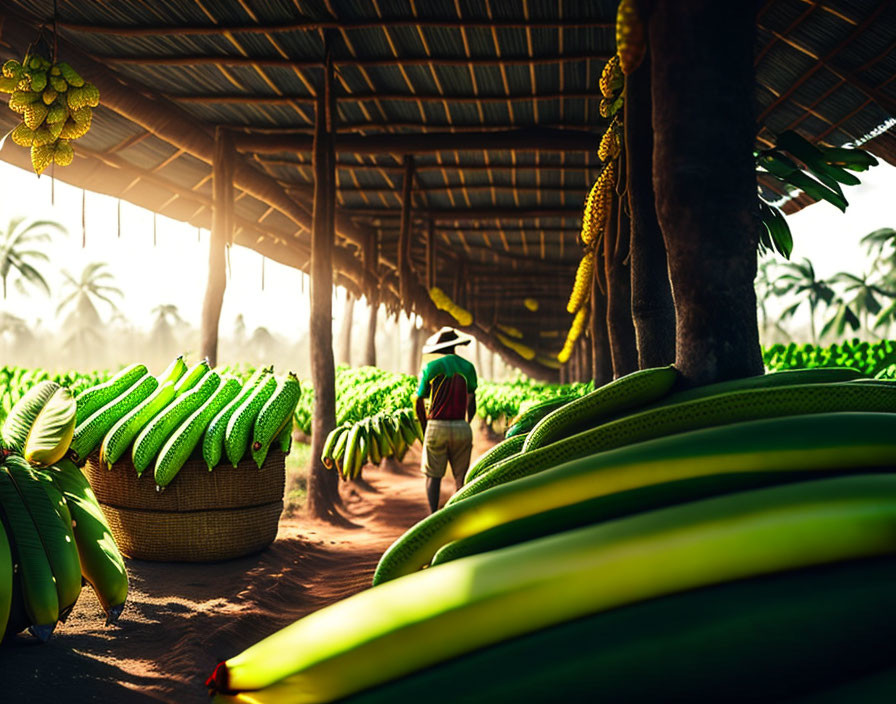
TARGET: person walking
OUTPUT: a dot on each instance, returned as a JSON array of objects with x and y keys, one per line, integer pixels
[{"x": 446, "y": 403}]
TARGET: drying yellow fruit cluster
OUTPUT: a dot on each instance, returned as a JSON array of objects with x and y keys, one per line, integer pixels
[
  {"x": 581, "y": 289},
  {"x": 531, "y": 304},
  {"x": 442, "y": 302},
  {"x": 575, "y": 332},
  {"x": 630, "y": 44},
  {"x": 522, "y": 350},
  {"x": 511, "y": 331},
  {"x": 597, "y": 205},
  {"x": 56, "y": 105},
  {"x": 611, "y": 78}
]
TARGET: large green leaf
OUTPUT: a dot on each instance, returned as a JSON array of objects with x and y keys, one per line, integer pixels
[
  {"x": 23, "y": 414},
  {"x": 51, "y": 432}
]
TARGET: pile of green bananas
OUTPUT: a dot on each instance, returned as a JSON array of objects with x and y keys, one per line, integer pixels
[
  {"x": 645, "y": 542},
  {"x": 360, "y": 392},
  {"x": 56, "y": 105},
  {"x": 352, "y": 445},
  {"x": 52, "y": 532},
  {"x": 504, "y": 402},
  {"x": 164, "y": 420},
  {"x": 870, "y": 358},
  {"x": 15, "y": 382}
]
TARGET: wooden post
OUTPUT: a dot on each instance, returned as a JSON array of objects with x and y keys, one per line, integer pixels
[
  {"x": 370, "y": 349},
  {"x": 221, "y": 235},
  {"x": 323, "y": 483},
  {"x": 704, "y": 176},
  {"x": 620, "y": 328},
  {"x": 404, "y": 235},
  {"x": 345, "y": 330},
  {"x": 602, "y": 365},
  {"x": 430, "y": 254}
]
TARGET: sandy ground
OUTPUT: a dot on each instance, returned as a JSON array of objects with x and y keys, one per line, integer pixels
[{"x": 181, "y": 619}]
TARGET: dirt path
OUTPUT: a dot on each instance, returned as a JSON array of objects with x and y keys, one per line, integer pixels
[{"x": 181, "y": 619}]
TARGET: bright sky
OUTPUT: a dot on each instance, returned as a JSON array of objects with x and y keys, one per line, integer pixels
[{"x": 174, "y": 271}]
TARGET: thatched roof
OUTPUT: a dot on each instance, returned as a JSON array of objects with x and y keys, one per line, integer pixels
[{"x": 496, "y": 101}]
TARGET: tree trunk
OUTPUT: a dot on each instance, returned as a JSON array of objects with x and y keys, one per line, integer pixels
[
  {"x": 704, "y": 177},
  {"x": 323, "y": 483},
  {"x": 370, "y": 350},
  {"x": 620, "y": 328},
  {"x": 345, "y": 330},
  {"x": 221, "y": 233},
  {"x": 601, "y": 364},
  {"x": 588, "y": 372},
  {"x": 653, "y": 313},
  {"x": 417, "y": 337}
]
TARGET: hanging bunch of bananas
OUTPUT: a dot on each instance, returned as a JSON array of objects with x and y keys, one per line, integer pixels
[
  {"x": 581, "y": 289},
  {"x": 442, "y": 302},
  {"x": 352, "y": 445},
  {"x": 630, "y": 41},
  {"x": 56, "y": 105},
  {"x": 575, "y": 332},
  {"x": 522, "y": 350}
]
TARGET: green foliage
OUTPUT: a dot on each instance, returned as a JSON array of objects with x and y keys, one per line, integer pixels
[
  {"x": 15, "y": 381},
  {"x": 501, "y": 402},
  {"x": 869, "y": 358}
]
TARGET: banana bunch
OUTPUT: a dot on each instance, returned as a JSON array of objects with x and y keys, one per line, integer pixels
[
  {"x": 442, "y": 302},
  {"x": 52, "y": 532},
  {"x": 352, "y": 445},
  {"x": 631, "y": 44},
  {"x": 522, "y": 350},
  {"x": 56, "y": 105},
  {"x": 581, "y": 289},
  {"x": 165, "y": 420},
  {"x": 611, "y": 142},
  {"x": 597, "y": 205},
  {"x": 759, "y": 543},
  {"x": 575, "y": 332}
]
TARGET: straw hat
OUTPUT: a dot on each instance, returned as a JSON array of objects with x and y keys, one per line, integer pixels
[{"x": 444, "y": 339}]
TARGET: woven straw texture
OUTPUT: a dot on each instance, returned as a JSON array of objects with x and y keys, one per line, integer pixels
[
  {"x": 196, "y": 536},
  {"x": 194, "y": 488},
  {"x": 200, "y": 516}
]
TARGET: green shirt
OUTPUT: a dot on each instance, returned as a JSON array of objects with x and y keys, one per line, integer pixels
[{"x": 447, "y": 380}]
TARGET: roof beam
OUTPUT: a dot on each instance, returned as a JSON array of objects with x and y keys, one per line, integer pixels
[
  {"x": 531, "y": 139},
  {"x": 256, "y": 99}
]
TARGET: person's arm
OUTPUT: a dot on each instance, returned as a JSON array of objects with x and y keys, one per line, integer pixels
[
  {"x": 420, "y": 407},
  {"x": 471, "y": 406}
]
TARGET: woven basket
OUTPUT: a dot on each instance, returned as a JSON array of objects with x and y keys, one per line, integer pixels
[{"x": 201, "y": 516}]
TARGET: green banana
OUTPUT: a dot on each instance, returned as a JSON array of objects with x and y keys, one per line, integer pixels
[
  {"x": 630, "y": 391},
  {"x": 506, "y": 448},
  {"x": 101, "y": 562},
  {"x": 89, "y": 433},
  {"x": 178, "y": 447},
  {"x": 22, "y": 415},
  {"x": 757, "y": 640},
  {"x": 485, "y": 599},
  {"x": 732, "y": 407},
  {"x": 213, "y": 440},
  {"x": 274, "y": 415},
  {"x": 239, "y": 427},
  {"x": 173, "y": 372},
  {"x": 826, "y": 442},
  {"x": 52, "y": 431},
  {"x": 91, "y": 400},
  {"x": 55, "y": 534},
  {"x": 191, "y": 377},
  {"x": 326, "y": 455},
  {"x": 35, "y": 573},
  {"x": 120, "y": 435},
  {"x": 6, "y": 579},
  {"x": 156, "y": 433}
]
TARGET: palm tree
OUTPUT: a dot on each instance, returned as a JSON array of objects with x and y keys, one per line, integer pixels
[
  {"x": 799, "y": 280},
  {"x": 882, "y": 244},
  {"x": 17, "y": 250},
  {"x": 167, "y": 318},
  {"x": 866, "y": 296},
  {"x": 83, "y": 322}
]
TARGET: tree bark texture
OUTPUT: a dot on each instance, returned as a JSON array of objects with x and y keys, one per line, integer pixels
[
  {"x": 323, "y": 483},
  {"x": 345, "y": 330},
  {"x": 602, "y": 363},
  {"x": 620, "y": 328},
  {"x": 370, "y": 348},
  {"x": 704, "y": 177},
  {"x": 653, "y": 312},
  {"x": 221, "y": 234}
]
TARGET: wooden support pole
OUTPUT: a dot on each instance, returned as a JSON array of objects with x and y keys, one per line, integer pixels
[
  {"x": 404, "y": 237},
  {"x": 370, "y": 348},
  {"x": 430, "y": 254},
  {"x": 345, "y": 330},
  {"x": 221, "y": 236},
  {"x": 323, "y": 488}
]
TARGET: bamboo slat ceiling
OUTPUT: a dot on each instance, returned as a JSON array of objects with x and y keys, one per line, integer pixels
[{"x": 515, "y": 83}]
